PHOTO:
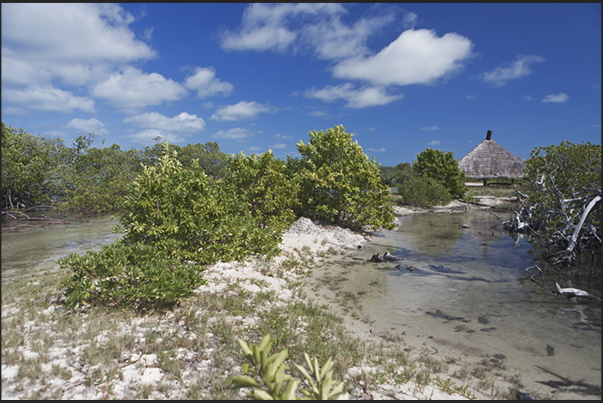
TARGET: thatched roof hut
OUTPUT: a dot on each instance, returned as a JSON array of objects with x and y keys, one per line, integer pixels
[{"x": 490, "y": 160}]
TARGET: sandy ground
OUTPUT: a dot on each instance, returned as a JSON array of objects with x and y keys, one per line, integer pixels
[{"x": 139, "y": 369}]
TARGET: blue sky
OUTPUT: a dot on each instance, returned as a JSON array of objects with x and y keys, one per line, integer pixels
[{"x": 400, "y": 77}]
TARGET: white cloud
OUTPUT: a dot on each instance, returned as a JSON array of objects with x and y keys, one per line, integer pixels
[
  {"x": 380, "y": 150},
  {"x": 430, "y": 128},
  {"x": 519, "y": 68},
  {"x": 254, "y": 149},
  {"x": 415, "y": 57},
  {"x": 434, "y": 142},
  {"x": 264, "y": 26},
  {"x": 278, "y": 145},
  {"x": 237, "y": 133},
  {"x": 242, "y": 110},
  {"x": 206, "y": 84},
  {"x": 89, "y": 126},
  {"x": 147, "y": 137},
  {"x": 364, "y": 97},
  {"x": 73, "y": 42},
  {"x": 471, "y": 97},
  {"x": 180, "y": 123},
  {"x": 331, "y": 39},
  {"x": 282, "y": 136},
  {"x": 527, "y": 97},
  {"x": 134, "y": 89},
  {"x": 49, "y": 99},
  {"x": 410, "y": 20},
  {"x": 557, "y": 98},
  {"x": 596, "y": 126}
]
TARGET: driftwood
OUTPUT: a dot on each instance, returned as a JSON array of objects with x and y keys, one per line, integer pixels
[
  {"x": 574, "y": 292},
  {"x": 566, "y": 292},
  {"x": 566, "y": 239},
  {"x": 25, "y": 220}
]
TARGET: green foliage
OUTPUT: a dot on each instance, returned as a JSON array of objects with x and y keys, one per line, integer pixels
[
  {"x": 560, "y": 173},
  {"x": 278, "y": 385},
  {"x": 568, "y": 169},
  {"x": 125, "y": 274},
  {"x": 442, "y": 167},
  {"x": 404, "y": 172},
  {"x": 262, "y": 183},
  {"x": 27, "y": 161},
  {"x": 387, "y": 175},
  {"x": 178, "y": 211},
  {"x": 210, "y": 158},
  {"x": 97, "y": 180},
  {"x": 338, "y": 183},
  {"x": 423, "y": 191}
]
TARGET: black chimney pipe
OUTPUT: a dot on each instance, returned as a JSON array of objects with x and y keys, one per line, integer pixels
[{"x": 489, "y": 135}]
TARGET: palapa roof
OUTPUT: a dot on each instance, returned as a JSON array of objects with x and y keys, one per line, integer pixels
[{"x": 490, "y": 160}]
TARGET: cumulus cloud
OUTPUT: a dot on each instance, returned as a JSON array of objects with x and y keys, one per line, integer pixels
[
  {"x": 76, "y": 43},
  {"x": 89, "y": 126},
  {"x": 264, "y": 26},
  {"x": 364, "y": 97},
  {"x": 180, "y": 123},
  {"x": 48, "y": 98},
  {"x": 282, "y": 136},
  {"x": 278, "y": 145},
  {"x": 430, "y": 128},
  {"x": 241, "y": 110},
  {"x": 434, "y": 142},
  {"x": 415, "y": 57},
  {"x": 206, "y": 84},
  {"x": 237, "y": 133},
  {"x": 380, "y": 150},
  {"x": 519, "y": 68},
  {"x": 556, "y": 98},
  {"x": 132, "y": 88}
]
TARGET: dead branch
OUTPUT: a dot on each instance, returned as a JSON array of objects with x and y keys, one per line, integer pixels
[{"x": 573, "y": 292}]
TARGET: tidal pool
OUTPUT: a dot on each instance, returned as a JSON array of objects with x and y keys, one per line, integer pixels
[
  {"x": 28, "y": 251},
  {"x": 467, "y": 300}
]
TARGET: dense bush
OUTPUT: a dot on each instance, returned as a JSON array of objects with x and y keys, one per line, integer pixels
[
  {"x": 423, "y": 191},
  {"x": 261, "y": 182},
  {"x": 441, "y": 166},
  {"x": 181, "y": 212},
  {"x": 339, "y": 184},
  {"x": 128, "y": 274},
  {"x": 27, "y": 163}
]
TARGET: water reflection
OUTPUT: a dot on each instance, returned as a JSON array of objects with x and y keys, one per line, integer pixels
[
  {"x": 436, "y": 234},
  {"x": 30, "y": 250}
]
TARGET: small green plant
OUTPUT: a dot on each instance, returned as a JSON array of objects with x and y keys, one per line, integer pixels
[
  {"x": 280, "y": 385},
  {"x": 125, "y": 274}
]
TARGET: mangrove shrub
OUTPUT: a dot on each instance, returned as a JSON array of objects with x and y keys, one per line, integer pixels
[
  {"x": 441, "y": 166},
  {"x": 339, "y": 184},
  {"x": 180, "y": 211}
]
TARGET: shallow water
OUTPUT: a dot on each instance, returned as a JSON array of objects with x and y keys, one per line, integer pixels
[
  {"x": 468, "y": 296},
  {"x": 28, "y": 251}
]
